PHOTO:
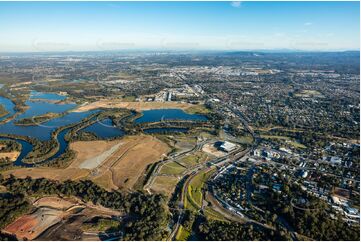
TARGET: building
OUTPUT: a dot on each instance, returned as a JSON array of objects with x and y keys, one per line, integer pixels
[
  {"x": 169, "y": 97},
  {"x": 227, "y": 146}
]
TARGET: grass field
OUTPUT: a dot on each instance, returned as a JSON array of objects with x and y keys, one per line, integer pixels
[
  {"x": 197, "y": 109},
  {"x": 182, "y": 234},
  {"x": 286, "y": 139},
  {"x": 164, "y": 184},
  {"x": 193, "y": 159},
  {"x": 211, "y": 214},
  {"x": 194, "y": 197},
  {"x": 102, "y": 224},
  {"x": 172, "y": 168},
  {"x": 309, "y": 93},
  {"x": 195, "y": 194},
  {"x": 245, "y": 139}
]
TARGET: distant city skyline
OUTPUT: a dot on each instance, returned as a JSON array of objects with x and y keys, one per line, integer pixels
[{"x": 98, "y": 26}]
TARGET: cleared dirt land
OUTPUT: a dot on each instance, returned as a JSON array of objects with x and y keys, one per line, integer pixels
[
  {"x": 114, "y": 164},
  {"x": 12, "y": 156},
  {"x": 49, "y": 212},
  {"x": 139, "y": 106},
  {"x": 210, "y": 149},
  {"x": 129, "y": 162},
  {"x": 165, "y": 185}
]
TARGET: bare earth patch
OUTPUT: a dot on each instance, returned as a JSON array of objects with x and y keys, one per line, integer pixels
[
  {"x": 164, "y": 184},
  {"x": 128, "y": 163},
  {"x": 13, "y": 155},
  {"x": 50, "y": 211},
  {"x": 110, "y": 164},
  {"x": 139, "y": 106},
  {"x": 210, "y": 149}
]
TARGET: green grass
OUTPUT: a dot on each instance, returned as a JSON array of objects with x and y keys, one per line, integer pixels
[
  {"x": 285, "y": 138},
  {"x": 211, "y": 214},
  {"x": 3, "y": 111},
  {"x": 101, "y": 225},
  {"x": 182, "y": 234},
  {"x": 245, "y": 139},
  {"x": 172, "y": 168},
  {"x": 195, "y": 186},
  {"x": 197, "y": 109},
  {"x": 194, "y": 197},
  {"x": 192, "y": 160},
  {"x": 128, "y": 99}
]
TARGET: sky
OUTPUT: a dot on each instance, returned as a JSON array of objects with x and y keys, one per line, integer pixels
[{"x": 98, "y": 26}]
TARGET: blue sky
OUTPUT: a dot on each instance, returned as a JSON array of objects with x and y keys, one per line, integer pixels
[{"x": 63, "y": 26}]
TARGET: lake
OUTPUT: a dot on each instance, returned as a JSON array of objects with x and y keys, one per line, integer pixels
[
  {"x": 156, "y": 115},
  {"x": 47, "y": 96},
  {"x": 104, "y": 129},
  {"x": 9, "y": 106}
]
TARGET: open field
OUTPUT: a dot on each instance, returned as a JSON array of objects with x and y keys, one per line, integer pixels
[
  {"x": 12, "y": 156},
  {"x": 129, "y": 162},
  {"x": 210, "y": 149},
  {"x": 139, "y": 106},
  {"x": 111, "y": 164},
  {"x": 309, "y": 93},
  {"x": 286, "y": 139},
  {"x": 164, "y": 184},
  {"x": 54, "y": 202},
  {"x": 194, "y": 198},
  {"x": 95, "y": 161},
  {"x": 194, "y": 159},
  {"x": 172, "y": 168},
  {"x": 50, "y": 211},
  {"x": 212, "y": 214},
  {"x": 182, "y": 234},
  {"x": 195, "y": 194},
  {"x": 28, "y": 227},
  {"x": 198, "y": 109}
]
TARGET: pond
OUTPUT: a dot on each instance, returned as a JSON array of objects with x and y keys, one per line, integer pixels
[
  {"x": 47, "y": 96},
  {"x": 104, "y": 129},
  {"x": 157, "y": 115}
]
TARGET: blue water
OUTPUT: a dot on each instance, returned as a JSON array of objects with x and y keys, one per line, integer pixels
[
  {"x": 42, "y": 107},
  {"x": 156, "y": 115},
  {"x": 47, "y": 96},
  {"x": 26, "y": 147},
  {"x": 44, "y": 130},
  {"x": 8, "y": 105},
  {"x": 165, "y": 130},
  {"x": 104, "y": 129},
  {"x": 63, "y": 144}
]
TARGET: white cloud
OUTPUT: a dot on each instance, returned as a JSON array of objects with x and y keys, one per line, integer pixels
[
  {"x": 236, "y": 4},
  {"x": 307, "y": 24}
]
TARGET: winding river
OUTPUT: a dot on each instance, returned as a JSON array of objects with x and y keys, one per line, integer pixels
[{"x": 42, "y": 103}]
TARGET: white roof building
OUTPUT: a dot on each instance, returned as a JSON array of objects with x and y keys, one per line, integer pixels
[{"x": 227, "y": 146}]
